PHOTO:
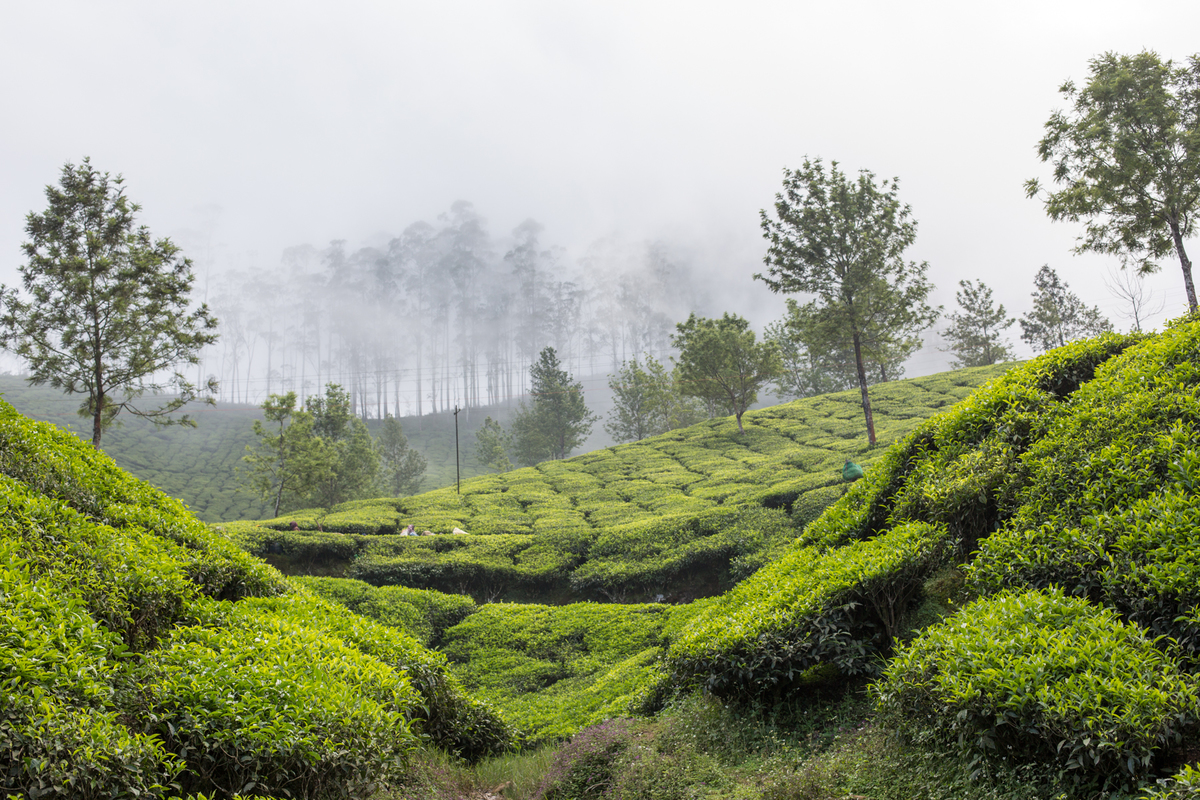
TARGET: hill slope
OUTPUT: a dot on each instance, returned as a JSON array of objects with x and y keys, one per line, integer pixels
[
  {"x": 677, "y": 516},
  {"x": 1019, "y": 575},
  {"x": 142, "y": 651},
  {"x": 199, "y": 465}
]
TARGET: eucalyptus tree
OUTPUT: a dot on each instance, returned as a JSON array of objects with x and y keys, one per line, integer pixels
[
  {"x": 109, "y": 306},
  {"x": 843, "y": 240},
  {"x": 1127, "y": 156}
]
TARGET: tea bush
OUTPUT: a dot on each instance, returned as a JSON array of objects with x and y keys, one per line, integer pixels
[
  {"x": 143, "y": 652},
  {"x": 1107, "y": 497},
  {"x": 1039, "y": 676},
  {"x": 838, "y": 607},
  {"x": 555, "y": 669},
  {"x": 423, "y": 614}
]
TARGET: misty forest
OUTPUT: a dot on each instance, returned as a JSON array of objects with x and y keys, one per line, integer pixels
[{"x": 444, "y": 315}]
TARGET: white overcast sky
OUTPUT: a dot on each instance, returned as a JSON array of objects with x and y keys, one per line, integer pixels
[{"x": 273, "y": 124}]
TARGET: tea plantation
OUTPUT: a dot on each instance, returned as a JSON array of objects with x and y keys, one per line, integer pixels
[
  {"x": 199, "y": 465},
  {"x": 1006, "y": 605},
  {"x": 145, "y": 655}
]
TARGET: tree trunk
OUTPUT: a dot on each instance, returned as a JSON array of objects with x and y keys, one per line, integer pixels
[
  {"x": 862, "y": 385},
  {"x": 1186, "y": 265}
]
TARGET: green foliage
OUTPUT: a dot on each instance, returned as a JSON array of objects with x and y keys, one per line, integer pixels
[
  {"x": 974, "y": 333},
  {"x": 844, "y": 242},
  {"x": 1107, "y": 504},
  {"x": 402, "y": 466},
  {"x": 553, "y": 670},
  {"x": 492, "y": 445},
  {"x": 259, "y": 698},
  {"x": 721, "y": 363},
  {"x": 557, "y": 420},
  {"x": 1038, "y": 676},
  {"x": 1058, "y": 315},
  {"x": 840, "y": 607},
  {"x": 108, "y": 308},
  {"x": 142, "y": 650},
  {"x": 424, "y": 615},
  {"x": 346, "y": 461},
  {"x": 282, "y": 465},
  {"x": 644, "y": 402},
  {"x": 1126, "y": 159}
]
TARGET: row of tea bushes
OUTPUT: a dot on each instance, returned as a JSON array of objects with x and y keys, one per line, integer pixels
[
  {"x": 553, "y": 670},
  {"x": 144, "y": 653},
  {"x": 1109, "y": 506},
  {"x": 810, "y": 608},
  {"x": 786, "y": 452},
  {"x": 423, "y": 614}
]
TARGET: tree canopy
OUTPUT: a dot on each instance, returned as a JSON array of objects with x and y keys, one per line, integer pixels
[
  {"x": 975, "y": 332},
  {"x": 1127, "y": 156},
  {"x": 401, "y": 466},
  {"x": 108, "y": 312},
  {"x": 556, "y": 420},
  {"x": 843, "y": 240},
  {"x": 721, "y": 361},
  {"x": 1058, "y": 315}
]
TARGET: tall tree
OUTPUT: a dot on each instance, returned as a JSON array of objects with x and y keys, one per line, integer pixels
[
  {"x": 817, "y": 357},
  {"x": 843, "y": 240},
  {"x": 642, "y": 401},
  {"x": 720, "y": 359},
  {"x": 108, "y": 309},
  {"x": 1127, "y": 155},
  {"x": 402, "y": 466},
  {"x": 282, "y": 466},
  {"x": 556, "y": 420},
  {"x": 492, "y": 445},
  {"x": 1058, "y": 315},
  {"x": 350, "y": 454},
  {"x": 975, "y": 332}
]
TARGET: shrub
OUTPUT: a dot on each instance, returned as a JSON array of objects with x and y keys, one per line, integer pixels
[
  {"x": 1036, "y": 676},
  {"x": 840, "y": 607}
]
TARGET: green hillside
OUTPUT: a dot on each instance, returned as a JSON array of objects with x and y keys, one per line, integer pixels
[
  {"x": 674, "y": 517},
  {"x": 143, "y": 654},
  {"x": 198, "y": 465},
  {"x": 1014, "y": 579},
  {"x": 1007, "y": 605}
]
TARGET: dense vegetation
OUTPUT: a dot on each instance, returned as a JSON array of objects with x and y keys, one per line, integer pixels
[
  {"x": 145, "y": 654},
  {"x": 1005, "y": 606},
  {"x": 199, "y": 465},
  {"x": 1014, "y": 580},
  {"x": 678, "y": 516}
]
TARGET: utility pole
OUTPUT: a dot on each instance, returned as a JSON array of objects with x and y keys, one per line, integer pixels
[{"x": 457, "y": 468}]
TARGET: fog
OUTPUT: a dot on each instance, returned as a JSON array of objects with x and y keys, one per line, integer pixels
[{"x": 247, "y": 131}]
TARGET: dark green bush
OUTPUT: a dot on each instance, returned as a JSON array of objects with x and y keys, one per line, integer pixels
[{"x": 1039, "y": 676}]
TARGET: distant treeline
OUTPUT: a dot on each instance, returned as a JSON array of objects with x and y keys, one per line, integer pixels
[{"x": 443, "y": 315}]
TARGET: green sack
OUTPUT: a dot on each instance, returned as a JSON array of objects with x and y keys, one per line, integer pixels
[{"x": 851, "y": 472}]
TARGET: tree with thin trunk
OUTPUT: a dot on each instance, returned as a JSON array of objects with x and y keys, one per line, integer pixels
[
  {"x": 1127, "y": 156},
  {"x": 843, "y": 240},
  {"x": 720, "y": 360},
  {"x": 108, "y": 309},
  {"x": 975, "y": 331}
]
